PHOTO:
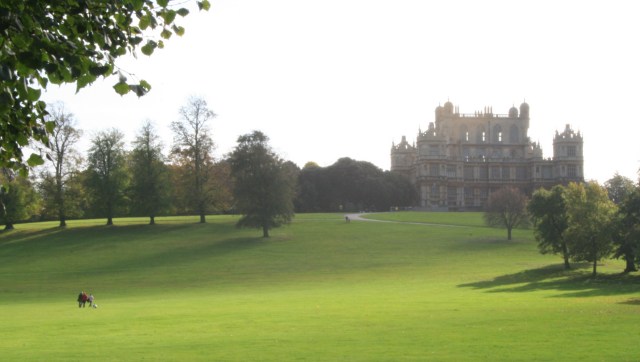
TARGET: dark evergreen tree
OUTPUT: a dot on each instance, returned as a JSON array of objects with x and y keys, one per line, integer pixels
[{"x": 264, "y": 186}]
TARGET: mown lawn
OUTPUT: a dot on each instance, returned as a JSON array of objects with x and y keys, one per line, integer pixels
[{"x": 320, "y": 289}]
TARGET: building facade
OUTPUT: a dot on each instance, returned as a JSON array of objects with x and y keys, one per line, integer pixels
[{"x": 461, "y": 158}]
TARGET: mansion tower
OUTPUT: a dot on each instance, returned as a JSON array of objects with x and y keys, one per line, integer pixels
[{"x": 461, "y": 158}]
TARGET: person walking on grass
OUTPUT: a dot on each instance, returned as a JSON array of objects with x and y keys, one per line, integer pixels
[{"x": 82, "y": 299}]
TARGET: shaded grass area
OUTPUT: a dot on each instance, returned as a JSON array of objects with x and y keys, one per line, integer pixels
[{"x": 320, "y": 289}]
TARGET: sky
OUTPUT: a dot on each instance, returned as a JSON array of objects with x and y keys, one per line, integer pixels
[{"x": 347, "y": 78}]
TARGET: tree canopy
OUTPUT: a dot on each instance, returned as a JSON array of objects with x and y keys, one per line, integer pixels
[
  {"x": 590, "y": 213},
  {"x": 69, "y": 41},
  {"x": 352, "y": 185},
  {"x": 107, "y": 176},
  {"x": 548, "y": 210},
  {"x": 264, "y": 186},
  {"x": 506, "y": 208},
  {"x": 193, "y": 149}
]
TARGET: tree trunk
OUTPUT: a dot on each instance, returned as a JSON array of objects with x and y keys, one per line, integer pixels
[
  {"x": 202, "y": 219},
  {"x": 9, "y": 226},
  {"x": 565, "y": 255},
  {"x": 63, "y": 222},
  {"x": 509, "y": 232},
  {"x": 631, "y": 265},
  {"x": 109, "y": 220},
  {"x": 152, "y": 220},
  {"x": 595, "y": 263},
  {"x": 265, "y": 231}
]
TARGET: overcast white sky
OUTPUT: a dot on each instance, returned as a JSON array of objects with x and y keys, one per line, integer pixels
[{"x": 346, "y": 78}]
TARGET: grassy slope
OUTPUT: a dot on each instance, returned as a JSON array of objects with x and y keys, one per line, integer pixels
[{"x": 320, "y": 289}]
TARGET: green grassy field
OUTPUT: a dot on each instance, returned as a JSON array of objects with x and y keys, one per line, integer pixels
[{"x": 317, "y": 290}]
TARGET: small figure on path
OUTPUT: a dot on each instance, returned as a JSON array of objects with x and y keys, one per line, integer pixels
[
  {"x": 346, "y": 218},
  {"x": 90, "y": 300}
]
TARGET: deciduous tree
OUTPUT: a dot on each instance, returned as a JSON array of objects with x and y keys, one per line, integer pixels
[
  {"x": 264, "y": 187},
  {"x": 193, "y": 147},
  {"x": 548, "y": 210},
  {"x": 69, "y": 41},
  {"x": 65, "y": 159},
  {"x": 107, "y": 176},
  {"x": 150, "y": 188},
  {"x": 590, "y": 216},
  {"x": 626, "y": 237},
  {"x": 619, "y": 187},
  {"x": 19, "y": 200},
  {"x": 506, "y": 208}
]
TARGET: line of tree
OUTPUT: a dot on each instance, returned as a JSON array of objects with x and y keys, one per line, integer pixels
[
  {"x": 111, "y": 181},
  {"x": 350, "y": 185},
  {"x": 581, "y": 222}
]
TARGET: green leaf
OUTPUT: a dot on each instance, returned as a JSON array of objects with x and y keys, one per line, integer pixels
[
  {"x": 204, "y": 5},
  {"x": 163, "y": 3},
  {"x": 33, "y": 94},
  {"x": 166, "y": 34},
  {"x": 84, "y": 80},
  {"x": 145, "y": 21},
  {"x": 49, "y": 126},
  {"x": 178, "y": 30},
  {"x": 6, "y": 101},
  {"x": 148, "y": 48},
  {"x": 100, "y": 70},
  {"x": 168, "y": 16},
  {"x": 183, "y": 12},
  {"x": 121, "y": 88},
  {"x": 5, "y": 73},
  {"x": 35, "y": 160},
  {"x": 144, "y": 84},
  {"x": 137, "y": 89}
]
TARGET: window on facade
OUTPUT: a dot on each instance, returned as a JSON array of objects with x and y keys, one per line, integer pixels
[
  {"x": 571, "y": 151},
  {"x": 451, "y": 171},
  {"x": 506, "y": 173},
  {"x": 484, "y": 194},
  {"x": 468, "y": 173},
  {"x": 433, "y": 170},
  {"x": 514, "y": 134},
  {"x": 468, "y": 193},
  {"x": 497, "y": 133},
  {"x": 466, "y": 136},
  {"x": 434, "y": 191},
  {"x": 572, "y": 171},
  {"x": 484, "y": 137},
  {"x": 495, "y": 173},
  {"x": 434, "y": 150},
  {"x": 452, "y": 195},
  {"x": 521, "y": 173},
  {"x": 484, "y": 173}
]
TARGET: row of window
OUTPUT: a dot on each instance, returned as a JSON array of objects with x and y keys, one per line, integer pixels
[
  {"x": 498, "y": 134},
  {"x": 500, "y": 172}
]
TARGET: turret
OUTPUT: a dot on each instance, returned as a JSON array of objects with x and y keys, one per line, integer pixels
[{"x": 524, "y": 111}]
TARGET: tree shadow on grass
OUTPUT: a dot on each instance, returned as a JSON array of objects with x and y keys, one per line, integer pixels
[
  {"x": 8, "y": 237},
  {"x": 577, "y": 282}
]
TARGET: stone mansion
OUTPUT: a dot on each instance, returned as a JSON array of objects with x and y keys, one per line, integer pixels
[{"x": 461, "y": 158}]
